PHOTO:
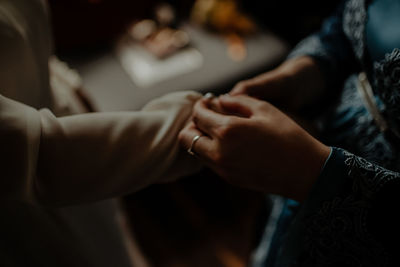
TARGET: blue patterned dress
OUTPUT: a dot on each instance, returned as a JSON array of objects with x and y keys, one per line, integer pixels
[{"x": 349, "y": 218}]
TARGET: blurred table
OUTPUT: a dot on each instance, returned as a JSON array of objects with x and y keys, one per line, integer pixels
[{"x": 112, "y": 89}]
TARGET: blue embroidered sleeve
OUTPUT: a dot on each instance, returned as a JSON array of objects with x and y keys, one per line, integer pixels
[
  {"x": 348, "y": 218},
  {"x": 331, "y": 48}
]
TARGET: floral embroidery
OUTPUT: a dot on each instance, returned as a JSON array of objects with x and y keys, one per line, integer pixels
[
  {"x": 337, "y": 235},
  {"x": 354, "y": 17},
  {"x": 387, "y": 86}
]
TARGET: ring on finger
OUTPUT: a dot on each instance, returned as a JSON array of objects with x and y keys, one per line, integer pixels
[{"x": 195, "y": 139}]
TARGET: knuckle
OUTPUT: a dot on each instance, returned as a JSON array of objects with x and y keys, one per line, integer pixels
[
  {"x": 229, "y": 129},
  {"x": 222, "y": 132},
  {"x": 183, "y": 138},
  {"x": 195, "y": 112},
  {"x": 196, "y": 108},
  {"x": 261, "y": 106}
]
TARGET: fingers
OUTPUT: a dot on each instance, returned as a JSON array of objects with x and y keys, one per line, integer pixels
[
  {"x": 215, "y": 105},
  {"x": 242, "y": 105},
  {"x": 208, "y": 120},
  {"x": 253, "y": 87},
  {"x": 240, "y": 88},
  {"x": 266, "y": 86},
  {"x": 235, "y": 111}
]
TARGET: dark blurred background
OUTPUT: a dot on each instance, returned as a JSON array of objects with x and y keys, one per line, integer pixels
[{"x": 86, "y": 23}]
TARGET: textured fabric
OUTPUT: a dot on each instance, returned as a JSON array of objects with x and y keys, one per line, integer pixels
[
  {"x": 63, "y": 156},
  {"x": 348, "y": 218},
  {"x": 333, "y": 226},
  {"x": 331, "y": 48}
]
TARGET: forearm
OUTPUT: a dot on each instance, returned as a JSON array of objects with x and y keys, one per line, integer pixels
[
  {"x": 332, "y": 55},
  {"x": 95, "y": 156}
]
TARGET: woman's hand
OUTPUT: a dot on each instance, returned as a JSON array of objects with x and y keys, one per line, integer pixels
[
  {"x": 255, "y": 145},
  {"x": 294, "y": 84}
]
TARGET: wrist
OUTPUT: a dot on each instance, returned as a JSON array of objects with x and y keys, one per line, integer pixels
[
  {"x": 317, "y": 163},
  {"x": 313, "y": 162}
]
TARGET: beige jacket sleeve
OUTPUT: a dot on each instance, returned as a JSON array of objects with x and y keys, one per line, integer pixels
[{"x": 91, "y": 156}]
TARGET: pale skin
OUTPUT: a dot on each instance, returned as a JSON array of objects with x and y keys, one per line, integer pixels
[{"x": 251, "y": 143}]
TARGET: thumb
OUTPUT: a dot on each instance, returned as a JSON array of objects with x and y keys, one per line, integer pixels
[
  {"x": 240, "y": 105},
  {"x": 247, "y": 87},
  {"x": 260, "y": 86}
]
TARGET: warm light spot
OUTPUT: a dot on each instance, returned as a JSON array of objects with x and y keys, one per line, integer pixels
[{"x": 228, "y": 257}]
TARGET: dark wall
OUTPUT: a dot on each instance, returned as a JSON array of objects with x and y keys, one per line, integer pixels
[
  {"x": 291, "y": 19},
  {"x": 83, "y": 23},
  {"x": 79, "y": 23}
]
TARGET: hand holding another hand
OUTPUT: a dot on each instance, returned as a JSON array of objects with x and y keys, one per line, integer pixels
[{"x": 252, "y": 144}]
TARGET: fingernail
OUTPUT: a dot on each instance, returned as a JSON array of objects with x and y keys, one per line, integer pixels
[{"x": 209, "y": 95}]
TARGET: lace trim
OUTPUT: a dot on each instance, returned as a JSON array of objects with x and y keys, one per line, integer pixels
[{"x": 368, "y": 178}]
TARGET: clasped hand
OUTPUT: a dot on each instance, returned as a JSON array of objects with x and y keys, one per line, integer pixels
[{"x": 251, "y": 143}]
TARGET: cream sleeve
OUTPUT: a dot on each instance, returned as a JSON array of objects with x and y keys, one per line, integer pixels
[{"x": 91, "y": 156}]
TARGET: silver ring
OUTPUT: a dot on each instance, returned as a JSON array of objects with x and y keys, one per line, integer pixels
[{"x": 190, "y": 150}]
